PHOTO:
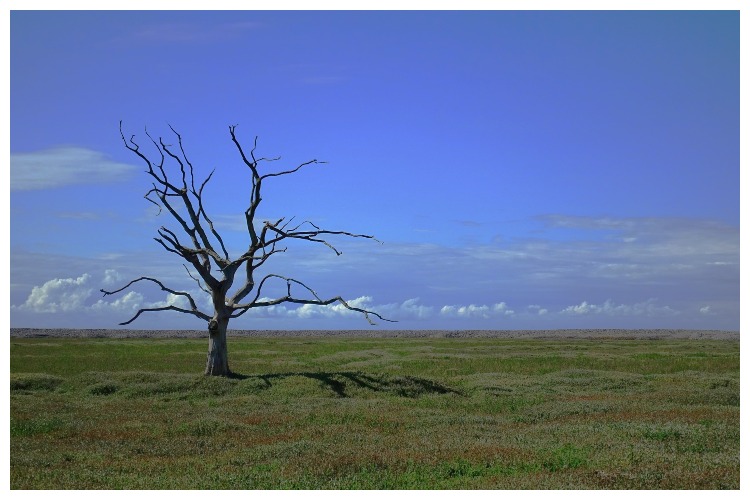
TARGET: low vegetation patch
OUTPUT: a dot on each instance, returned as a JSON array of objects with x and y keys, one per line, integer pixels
[{"x": 312, "y": 413}]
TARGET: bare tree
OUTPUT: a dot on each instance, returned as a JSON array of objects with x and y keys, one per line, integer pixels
[{"x": 207, "y": 255}]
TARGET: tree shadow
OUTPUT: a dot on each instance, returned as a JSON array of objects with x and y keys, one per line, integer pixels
[{"x": 340, "y": 382}]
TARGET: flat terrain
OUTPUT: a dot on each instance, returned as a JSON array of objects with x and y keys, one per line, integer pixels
[
  {"x": 603, "y": 409},
  {"x": 373, "y": 333}
]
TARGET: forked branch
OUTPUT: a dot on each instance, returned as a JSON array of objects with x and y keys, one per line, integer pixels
[
  {"x": 240, "y": 309},
  {"x": 199, "y": 314},
  {"x": 308, "y": 235},
  {"x": 193, "y": 306},
  {"x": 182, "y": 198}
]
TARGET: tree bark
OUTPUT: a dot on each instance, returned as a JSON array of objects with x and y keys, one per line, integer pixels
[{"x": 217, "y": 361}]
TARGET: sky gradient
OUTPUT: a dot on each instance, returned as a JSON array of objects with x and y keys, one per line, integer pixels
[{"x": 522, "y": 169}]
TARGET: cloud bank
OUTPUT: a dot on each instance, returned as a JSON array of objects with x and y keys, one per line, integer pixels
[
  {"x": 619, "y": 273},
  {"x": 609, "y": 308},
  {"x": 64, "y": 166},
  {"x": 474, "y": 311},
  {"x": 62, "y": 294},
  {"x": 72, "y": 295}
]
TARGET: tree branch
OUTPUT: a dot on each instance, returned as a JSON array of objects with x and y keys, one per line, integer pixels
[
  {"x": 201, "y": 211},
  {"x": 200, "y": 285},
  {"x": 194, "y": 311},
  {"x": 243, "y": 291},
  {"x": 167, "y": 308},
  {"x": 311, "y": 235},
  {"x": 193, "y": 218},
  {"x": 367, "y": 313},
  {"x": 166, "y": 190},
  {"x": 240, "y": 309},
  {"x": 291, "y": 171}
]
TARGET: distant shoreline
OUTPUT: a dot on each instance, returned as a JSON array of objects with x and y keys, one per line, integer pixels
[{"x": 623, "y": 334}]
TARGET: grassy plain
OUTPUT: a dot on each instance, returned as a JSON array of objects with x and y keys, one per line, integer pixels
[{"x": 310, "y": 413}]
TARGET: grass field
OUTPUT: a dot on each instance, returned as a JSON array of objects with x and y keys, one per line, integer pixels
[{"x": 309, "y": 413}]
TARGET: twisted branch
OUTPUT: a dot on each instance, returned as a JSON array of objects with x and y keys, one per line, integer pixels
[
  {"x": 240, "y": 309},
  {"x": 194, "y": 307},
  {"x": 200, "y": 255}
]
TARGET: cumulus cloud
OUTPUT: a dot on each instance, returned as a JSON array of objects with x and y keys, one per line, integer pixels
[
  {"x": 307, "y": 311},
  {"x": 475, "y": 311},
  {"x": 411, "y": 308},
  {"x": 123, "y": 307},
  {"x": 690, "y": 265},
  {"x": 537, "y": 309},
  {"x": 408, "y": 309},
  {"x": 61, "y": 294},
  {"x": 172, "y": 300},
  {"x": 111, "y": 276},
  {"x": 706, "y": 311},
  {"x": 269, "y": 310},
  {"x": 332, "y": 310},
  {"x": 63, "y": 166},
  {"x": 609, "y": 308},
  {"x": 128, "y": 303},
  {"x": 503, "y": 309}
]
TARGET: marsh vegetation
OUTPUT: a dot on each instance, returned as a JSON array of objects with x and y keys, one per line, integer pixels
[{"x": 375, "y": 413}]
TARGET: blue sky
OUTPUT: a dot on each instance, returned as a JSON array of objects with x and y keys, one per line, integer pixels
[{"x": 522, "y": 169}]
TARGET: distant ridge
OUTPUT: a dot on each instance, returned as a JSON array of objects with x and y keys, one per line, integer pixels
[{"x": 623, "y": 334}]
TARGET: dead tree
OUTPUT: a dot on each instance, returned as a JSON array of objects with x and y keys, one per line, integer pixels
[{"x": 207, "y": 255}]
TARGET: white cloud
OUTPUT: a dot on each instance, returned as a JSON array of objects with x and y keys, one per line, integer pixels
[
  {"x": 537, "y": 309},
  {"x": 61, "y": 294},
  {"x": 688, "y": 264},
  {"x": 411, "y": 308},
  {"x": 408, "y": 309},
  {"x": 269, "y": 311},
  {"x": 111, "y": 276},
  {"x": 329, "y": 311},
  {"x": 310, "y": 311},
  {"x": 63, "y": 166},
  {"x": 503, "y": 309},
  {"x": 130, "y": 302},
  {"x": 706, "y": 311},
  {"x": 172, "y": 300},
  {"x": 475, "y": 311},
  {"x": 686, "y": 241},
  {"x": 582, "y": 308},
  {"x": 609, "y": 308},
  {"x": 307, "y": 311}
]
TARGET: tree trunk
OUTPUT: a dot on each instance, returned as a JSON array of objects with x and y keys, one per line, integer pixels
[{"x": 217, "y": 361}]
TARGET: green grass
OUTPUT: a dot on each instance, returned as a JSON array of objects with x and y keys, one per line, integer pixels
[{"x": 310, "y": 413}]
